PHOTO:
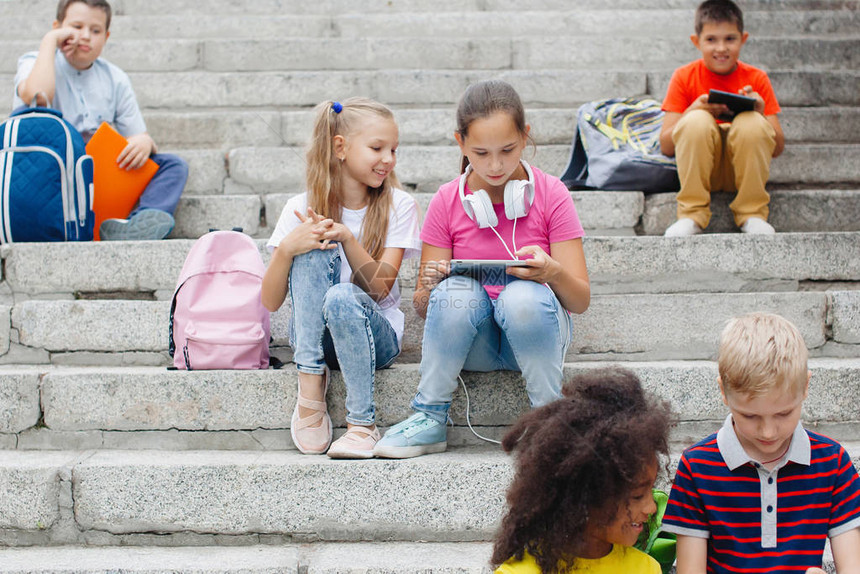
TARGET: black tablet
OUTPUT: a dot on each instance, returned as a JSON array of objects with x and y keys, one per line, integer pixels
[
  {"x": 735, "y": 102},
  {"x": 487, "y": 271}
]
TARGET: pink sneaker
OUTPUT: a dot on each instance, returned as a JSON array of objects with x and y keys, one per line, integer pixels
[
  {"x": 311, "y": 439},
  {"x": 357, "y": 442}
]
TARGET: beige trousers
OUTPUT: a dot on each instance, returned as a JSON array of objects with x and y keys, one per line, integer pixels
[{"x": 723, "y": 157}]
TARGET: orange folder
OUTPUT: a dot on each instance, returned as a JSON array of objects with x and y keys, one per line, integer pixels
[{"x": 116, "y": 190}]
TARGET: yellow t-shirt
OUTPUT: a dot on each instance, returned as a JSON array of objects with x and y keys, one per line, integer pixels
[{"x": 620, "y": 559}]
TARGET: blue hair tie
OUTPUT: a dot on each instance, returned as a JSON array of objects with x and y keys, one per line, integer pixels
[{"x": 337, "y": 107}]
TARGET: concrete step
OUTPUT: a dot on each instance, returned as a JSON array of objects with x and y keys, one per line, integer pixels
[
  {"x": 600, "y": 212},
  {"x": 571, "y": 22},
  {"x": 226, "y": 129},
  {"x": 418, "y": 87},
  {"x": 790, "y": 210},
  {"x": 665, "y": 326},
  {"x": 598, "y": 52},
  {"x": 727, "y": 263},
  {"x": 424, "y": 168},
  {"x": 412, "y": 6},
  {"x": 319, "y": 558},
  {"x": 50, "y": 408},
  {"x": 121, "y": 497}
]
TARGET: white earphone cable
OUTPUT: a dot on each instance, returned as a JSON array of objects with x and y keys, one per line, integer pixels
[
  {"x": 503, "y": 241},
  {"x": 468, "y": 420}
]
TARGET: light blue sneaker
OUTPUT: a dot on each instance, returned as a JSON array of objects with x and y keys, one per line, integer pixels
[
  {"x": 145, "y": 224},
  {"x": 417, "y": 435}
]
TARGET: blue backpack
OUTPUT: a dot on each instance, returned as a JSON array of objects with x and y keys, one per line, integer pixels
[{"x": 46, "y": 179}]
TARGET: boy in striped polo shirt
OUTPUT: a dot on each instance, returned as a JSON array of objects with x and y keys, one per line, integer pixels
[{"x": 763, "y": 494}]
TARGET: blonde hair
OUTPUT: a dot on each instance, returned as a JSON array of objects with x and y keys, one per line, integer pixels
[
  {"x": 325, "y": 170},
  {"x": 762, "y": 352}
]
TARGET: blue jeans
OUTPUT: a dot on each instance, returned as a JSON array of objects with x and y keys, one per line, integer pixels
[
  {"x": 339, "y": 325},
  {"x": 526, "y": 329},
  {"x": 166, "y": 186}
]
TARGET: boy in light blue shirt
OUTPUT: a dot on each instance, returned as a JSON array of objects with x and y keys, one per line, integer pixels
[{"x": 68, "y": 74}]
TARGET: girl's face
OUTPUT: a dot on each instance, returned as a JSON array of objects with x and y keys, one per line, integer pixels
[
  {"x": 368, "y": 153},
  {"x": 494, "y": 147},
  {"x": 629, "y": 521}
]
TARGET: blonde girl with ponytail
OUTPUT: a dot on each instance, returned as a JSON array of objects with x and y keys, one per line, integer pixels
[{"x": 336, "y": 251}]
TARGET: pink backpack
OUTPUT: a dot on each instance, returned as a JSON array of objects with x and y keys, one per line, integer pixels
[{"x": 217, "y": 320}]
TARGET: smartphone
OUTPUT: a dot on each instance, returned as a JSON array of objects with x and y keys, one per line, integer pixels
[{"x": 735, "y": 102}]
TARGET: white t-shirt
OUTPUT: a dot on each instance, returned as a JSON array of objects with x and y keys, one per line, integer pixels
[{"x": 402, "y": 233}]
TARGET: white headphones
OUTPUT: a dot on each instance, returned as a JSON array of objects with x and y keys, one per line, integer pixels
[{"x": 519, "y": 196}]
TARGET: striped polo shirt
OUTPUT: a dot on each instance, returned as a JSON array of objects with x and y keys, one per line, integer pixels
[{"x": 758, "y": 520}]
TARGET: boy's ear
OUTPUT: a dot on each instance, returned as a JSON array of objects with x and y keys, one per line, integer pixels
[
  {"x": 744, "y": 38},
  {"x": 806, "y": 389},
  {"x": 694, "y": 38},
  {"x": 722, "y": 390},
  {"x": 55, "y": 25}
]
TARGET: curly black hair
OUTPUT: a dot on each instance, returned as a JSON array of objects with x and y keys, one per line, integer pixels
[{"x": 578, "y": 460}]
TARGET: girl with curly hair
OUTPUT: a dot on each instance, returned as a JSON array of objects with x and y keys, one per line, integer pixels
[{"x": 585, "y": 467}]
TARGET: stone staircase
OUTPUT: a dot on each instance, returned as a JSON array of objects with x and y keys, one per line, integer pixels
[{"x": 109, "y": 461}]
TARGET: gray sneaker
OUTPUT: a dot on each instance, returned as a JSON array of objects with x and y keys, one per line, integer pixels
[
  {"x": 417, "y": 435},
  {"x": 146, "y": 224}
]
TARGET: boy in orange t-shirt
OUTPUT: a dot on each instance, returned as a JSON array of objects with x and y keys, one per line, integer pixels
[{"x": 713, "y": 154}]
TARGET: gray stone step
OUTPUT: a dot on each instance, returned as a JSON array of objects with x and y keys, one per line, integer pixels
[
  {"x": 226, "y": 129},
  {"x": 421, "y": 168},
  {"x": 711, "y": 262},
  {"x": 319, "y": 558},
  {"x": 121, "y": 496},
  {"x": 143, "y": 560},
  {"x": 51, "y": 408},
  {"x": 670, "y": 326},
  {"x": 598, "y": 52},
  {"x": 424, "y": 168},
  {"x": 375, "y": 6},
  {"x": 557, "y": 88},
  {"x": 600, "y": 212},
  {"x": 790, "y": 210},
  {"x": 573, "y": 21}
]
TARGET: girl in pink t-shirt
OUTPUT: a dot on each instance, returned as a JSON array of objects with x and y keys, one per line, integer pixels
[{"x": 498, "y": 208}]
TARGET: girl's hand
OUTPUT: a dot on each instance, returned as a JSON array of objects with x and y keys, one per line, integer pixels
[
  {"x": 541, "y": 267},
  {"x": 759, "y": 101},
  {"x": 305, "y": 237},
  {"x": 331, "y": 231},
  {"x": 432, "y": 273}
]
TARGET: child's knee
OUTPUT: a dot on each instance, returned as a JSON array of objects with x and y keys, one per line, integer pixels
[
  {"x": 342, "y": 299},
  {"x": 458, "y": 296},
  {"x": 522, "y": 303},
  {"x": 751, "y": 128},
  {"x": 695, "y": 124}
]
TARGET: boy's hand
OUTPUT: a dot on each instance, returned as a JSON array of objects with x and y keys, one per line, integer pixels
[
  {"x": 759, "y": 101},
  {"x": 135, "y": 154},
  {"x": 815, "y": 571},
  {"x": 66, "y": 39},
  {"x": 701, "y": 103}
]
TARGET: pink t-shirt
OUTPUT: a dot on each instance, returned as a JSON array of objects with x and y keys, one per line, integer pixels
[{"x": 551, "y": 219}]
